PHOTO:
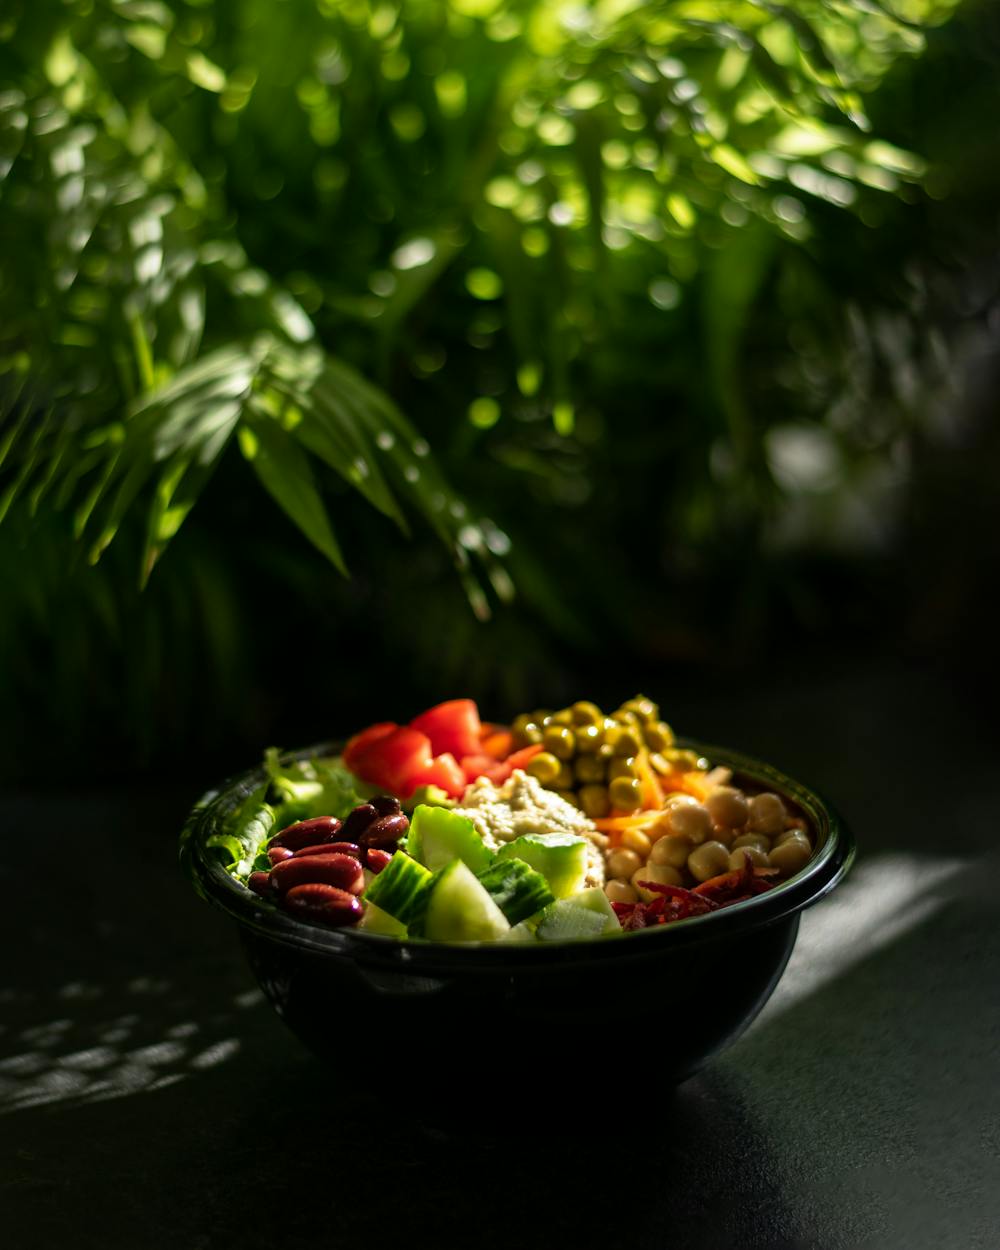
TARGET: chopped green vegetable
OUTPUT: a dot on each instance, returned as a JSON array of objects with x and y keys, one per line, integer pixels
[
  {"x": 561, "y": 858},
  {"x": 434, "y": 796},
  {"x": 244, "y": 833},
  {"x": 375, "y": 920},
  {"x": 516, "y": 888},
  {"x": 584, "y": 915},
  {"x": 401, "y": 889},
  {"x": 460, "y": 909},
  {"x": 307, "y": 788},
  {"x": 437, "y": 836}
]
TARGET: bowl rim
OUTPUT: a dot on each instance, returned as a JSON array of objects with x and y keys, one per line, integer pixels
[{"x": 827, "y": 868}]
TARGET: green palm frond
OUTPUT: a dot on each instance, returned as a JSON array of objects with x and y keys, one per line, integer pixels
[{"x": 288, "y": 408}]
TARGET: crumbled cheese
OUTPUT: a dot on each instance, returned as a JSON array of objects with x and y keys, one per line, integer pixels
[{"x": 523, "y": 805}]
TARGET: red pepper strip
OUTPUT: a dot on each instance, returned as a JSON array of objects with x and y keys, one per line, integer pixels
[
  {"x": 678, "y": 893},
  {"x": 732, "y": 887}
]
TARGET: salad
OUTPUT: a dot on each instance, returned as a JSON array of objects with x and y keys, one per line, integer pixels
[{"x": 565, "y": 824}]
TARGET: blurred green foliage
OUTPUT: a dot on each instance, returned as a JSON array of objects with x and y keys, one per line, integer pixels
[{"x": 582, "y": 246}]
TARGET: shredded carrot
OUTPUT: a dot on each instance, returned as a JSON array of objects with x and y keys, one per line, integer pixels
[
  {"x": 649, "y": 786},
  {"x": 618, "y": 823}
]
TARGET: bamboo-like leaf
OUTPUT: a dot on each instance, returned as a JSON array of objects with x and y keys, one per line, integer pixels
[{"x": 284, "y": 472}]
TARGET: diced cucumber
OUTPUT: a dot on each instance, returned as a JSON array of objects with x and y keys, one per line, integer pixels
[
  {"x": 521, "y": 933},
  {"x": 516, "y": 888},
  {"x": 584, "y": 915},
  {"x": 460, "y": 909},
  {"x": 561, "y": 858},
  {"x": 437, "y": 836},
  {"x": 401, "y": 888},
  {"x": 375, "y": 920}
]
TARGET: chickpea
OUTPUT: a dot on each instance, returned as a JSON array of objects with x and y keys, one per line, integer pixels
[
  {"x": 708, "y": 860},
  {"x": 728, "y": 807},
  {"x": 690, "y": 820},
  {"x": 622, "y": 862},
  {"x": 791, "y": 855},
  {"x": 637, "y": 841},
  {"x": 621, "y": 892},
  {"x": 671, "y": 852},
  {"x": 767, "y": 814},
  {"x": 758, "y": 858},
  {"x": 751, "y": 839},
  {"x": 657, "y": 828},
  {"x": 726, "y": 836},
  {"x": 659, "y": 873},
  {"x": 792, "y": 833}
]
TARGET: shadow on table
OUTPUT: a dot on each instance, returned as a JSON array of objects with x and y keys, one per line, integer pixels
[{"x": 862, "y": 1114}]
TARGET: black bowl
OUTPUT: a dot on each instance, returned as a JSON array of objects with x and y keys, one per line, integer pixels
[{"x": 445, "y": 1023}]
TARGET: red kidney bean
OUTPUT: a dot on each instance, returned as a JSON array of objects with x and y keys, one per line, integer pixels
[
  {"x": 324, "y": 904},
  {"x": 308, "y": 833},
  {"x": 343, "y": 871},
  {"x": 385, "y": 832},
  {"x": 358, "y": 820},
  {"x": 386, "y": 805},
  {"x": 277, "y": 853},
  {"x": 376, "y": 859},
  {"x": 331, "y": 848},
  {"x": 260, "y": 883}
]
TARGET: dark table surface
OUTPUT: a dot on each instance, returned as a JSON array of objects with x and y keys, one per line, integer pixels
[{"x": 149, "y": 1097}]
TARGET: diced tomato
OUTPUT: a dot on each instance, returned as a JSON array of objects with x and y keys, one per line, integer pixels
[
  {"x": 496, "y": 741},
  {"x": 392, "y": 759},
  {"x": 443, "y": 771},
  {"x": 453, "y": 727},
  {"x": 359, "y": 744},
  {"x": 480, "y": 765},
  {"x": 519, "y": 759}
]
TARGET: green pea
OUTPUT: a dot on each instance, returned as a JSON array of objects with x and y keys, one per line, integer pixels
[
  {"x": 621, "y": 766},
  {"x": 585, "y": 713},
  {"x": 624, "y": 793},
  {"x": 656, "y": 739},
  {"x": 683, "y": 760},
  {"x": 526, "y": 731},
  {"x": 564, "y": 717},
  {"x": 629, "y": 742},
  {"x": 545, "y": 767},
  {"x": 594, "y": 801},
  {"x": 588, "y": 739},
  {"x": 559, "y": 740},
  {"x": 566, "y": 780},
  {"x": 589, "y": 768}
]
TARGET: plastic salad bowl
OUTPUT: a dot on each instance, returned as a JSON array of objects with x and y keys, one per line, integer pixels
[{"x": 444, "y": 1020}]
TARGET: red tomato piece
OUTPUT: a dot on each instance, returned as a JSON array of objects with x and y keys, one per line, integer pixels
[
  {"x": 442, "y": 771},
  {"x": 518, "y": 759},
  {"x": 392, "y": 759},
  {"x": 474, "y": 766},
  {"x": 359, "y": 744},
  {"x": 453, "y": 727}
]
